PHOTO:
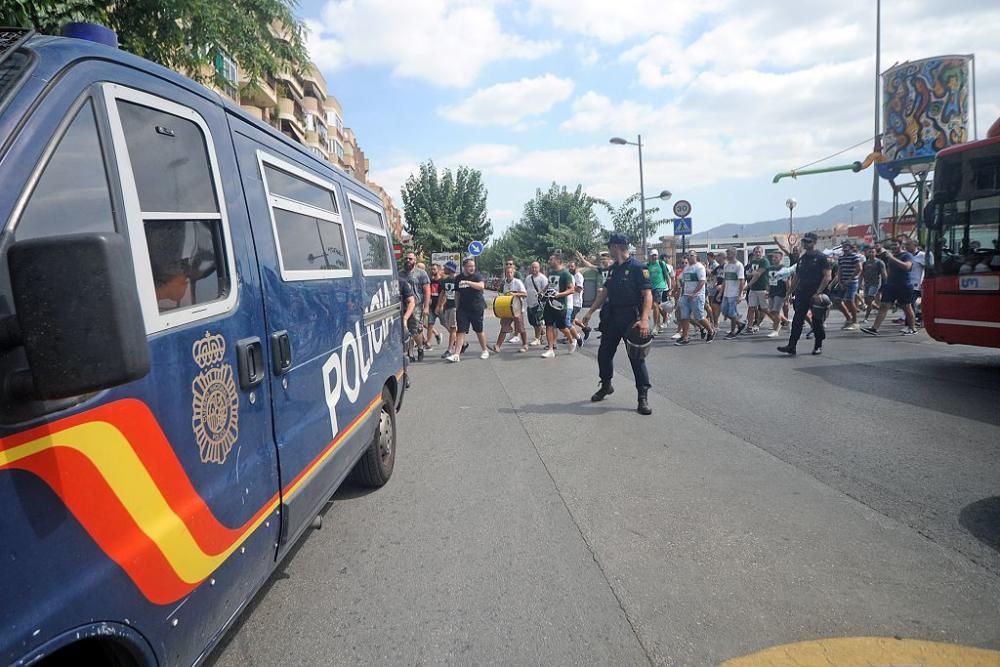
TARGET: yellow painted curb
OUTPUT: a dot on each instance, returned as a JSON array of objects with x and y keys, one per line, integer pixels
[{"x": 868, "y": 652}]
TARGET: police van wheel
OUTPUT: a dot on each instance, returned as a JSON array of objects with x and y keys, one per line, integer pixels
[{"x": 375, "y": 466}]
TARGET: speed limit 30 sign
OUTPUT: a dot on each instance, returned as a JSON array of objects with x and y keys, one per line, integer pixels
[{"x": 682, "y": 208}]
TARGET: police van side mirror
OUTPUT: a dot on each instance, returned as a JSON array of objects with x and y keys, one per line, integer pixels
[{"x": 78, "y": 313}]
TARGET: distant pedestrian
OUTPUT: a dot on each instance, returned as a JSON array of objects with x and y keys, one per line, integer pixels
[
  {"x": 808, "y": 286},
  {"x": 692, "y": 300},
  {"x": 432, "y": 317},
  {"x": 896, "y": 290},
  {"x": 446, "y": 307},
  {"x": 535, "y": 285},
  {"x": 849, "y": 267},
  {"x": 514, "y": 287},
  {"x": 757, "y": 283},
  {"x": 470, "y": 305},
  {"x": 659, "y": 278},
  {"x": 558, "y": 306},
  {"x": 421, "y": 283},
  {"x": 873, "y": 275},
  {"x": 732, "y": 294},
  {"x": 777, "y": 291},
  {"x": 579, "y": 282}
]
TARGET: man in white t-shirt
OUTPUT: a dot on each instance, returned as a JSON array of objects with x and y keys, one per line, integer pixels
[
  {"x": 916, "y": 275},
  {"x": 578, "y": 282},
  {"x": 692, "y": 299},
  {"x": 514, "y": 287},
  {"x": 535, "y": 283},
  {"x": 732, "y": 293}
]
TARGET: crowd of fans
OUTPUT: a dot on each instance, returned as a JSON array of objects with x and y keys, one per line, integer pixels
[{"x": 698, "y": 298}]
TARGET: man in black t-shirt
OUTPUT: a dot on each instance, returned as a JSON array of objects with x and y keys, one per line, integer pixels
[
  {"x": 446, "y": 306},
  {"x": 812, "y": 275},
  {"x": 411, "y": 325},
  {"x": 469, "y": 306}
]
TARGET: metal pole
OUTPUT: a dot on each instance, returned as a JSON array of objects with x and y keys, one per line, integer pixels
[
  {"x": 975, "y": 101},
  {"x": 642, "y": 202},
  {"x": 790, "y": 230},
  {"x": 878, "y": 104}
]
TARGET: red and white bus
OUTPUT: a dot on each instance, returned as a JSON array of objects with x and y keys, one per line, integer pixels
[{"x": 961, "y": 290}]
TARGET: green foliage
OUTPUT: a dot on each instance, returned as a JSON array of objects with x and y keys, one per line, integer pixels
[
  {"x": 627, "y": 219},
  {"x": 557, "y": 219},
  {"x": 185, "y": 35},
  {"x": 445, "y": 211}
]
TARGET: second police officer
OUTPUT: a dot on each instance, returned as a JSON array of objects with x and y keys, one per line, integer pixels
[
  {"x": 627, "y": 298},
  {"x": 808, "y": 285}
]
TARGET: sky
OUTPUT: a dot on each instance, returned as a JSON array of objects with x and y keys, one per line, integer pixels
[{"x": 725, "y": 93}]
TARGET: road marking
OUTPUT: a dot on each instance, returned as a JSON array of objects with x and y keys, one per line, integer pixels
[{"x": 866, "y": 651}]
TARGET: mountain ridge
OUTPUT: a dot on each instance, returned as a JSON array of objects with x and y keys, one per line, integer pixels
[{"x": 837, "y": 215}]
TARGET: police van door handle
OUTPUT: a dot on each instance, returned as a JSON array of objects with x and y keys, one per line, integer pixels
[
  {"x": 250, "y": 355},
  {"x": 281, "y": 352}
]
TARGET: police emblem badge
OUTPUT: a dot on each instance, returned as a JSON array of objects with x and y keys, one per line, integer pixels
[{"x": 215, "y": 405}]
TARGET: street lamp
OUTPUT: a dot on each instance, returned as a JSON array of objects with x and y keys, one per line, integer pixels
[
  {"x": 790, "y": 203},
  {"x": 642, "y": 188},
  {"x": 664, "y": 195}
]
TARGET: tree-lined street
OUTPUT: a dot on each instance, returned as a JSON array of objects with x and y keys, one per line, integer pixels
[{"x": 767, "y": 501}]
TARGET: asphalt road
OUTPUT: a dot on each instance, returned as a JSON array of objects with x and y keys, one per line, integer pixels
[{"x": 767, "y": 501}]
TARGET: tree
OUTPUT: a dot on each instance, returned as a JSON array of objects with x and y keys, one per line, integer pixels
[
  {"x": 190, "y": 36},
  {"x": 557, "y": 219},
  {"x": 445, "y": 211},
  {"x": 627, "y": 218}
]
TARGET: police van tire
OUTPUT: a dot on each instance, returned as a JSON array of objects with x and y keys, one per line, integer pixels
[{"x": 374, "y": 468}]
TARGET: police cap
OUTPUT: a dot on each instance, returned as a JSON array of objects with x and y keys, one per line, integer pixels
[
  {"x": 617, "y": 238},
  {"x": 809, "y": 236}
]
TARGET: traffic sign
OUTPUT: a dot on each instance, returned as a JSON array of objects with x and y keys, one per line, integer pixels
[
  {"x": 682, "y": 208},
  {"x": 682, "y": 226},
  {"x": 476, "y": 248},
  {"x": 792, "y": 240},
  {"x": 397, "y": 250}
]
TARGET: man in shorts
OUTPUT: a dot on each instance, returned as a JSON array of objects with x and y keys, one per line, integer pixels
[
  {"x": 578, "y": 283},
  {"x": 777, "y": 292},
  {"x": 421, "y": 283},
  {"x": 732, "y": 293},
  {"x": 558, "y": 308},
  {"x": 896, "y": 290},
  {"x": 512, "y": 286},
  {"x": 873, "y": 275},
  {"x": 757, "y": 299},
  {"x": 407, "y": 306},
  {"x": 692, "y": 299},
  {"x": 432, "y": 316},
  {"x": 446, "y": 306},
  {"x": 848, "y": 279},
  {"x": 659, "y": 279},
  {"x": 535, "y": 285},
  {"x": 469, "y": 307}
]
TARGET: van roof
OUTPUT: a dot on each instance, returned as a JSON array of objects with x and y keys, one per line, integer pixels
[{"x": 56, "y": 53}]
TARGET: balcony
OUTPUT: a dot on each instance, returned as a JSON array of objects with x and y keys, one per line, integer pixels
[
  {"x": 262, "y": 94},
  {"x": 311, "y": 77},
  {"x": 290, "y": 115},
  {"x": 292, "y": 82}
]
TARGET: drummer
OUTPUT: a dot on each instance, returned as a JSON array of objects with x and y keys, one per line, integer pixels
[{"x": 514, "y": 288}]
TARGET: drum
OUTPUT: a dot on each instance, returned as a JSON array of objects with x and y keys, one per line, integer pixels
[{"x": 507, "y": 306}]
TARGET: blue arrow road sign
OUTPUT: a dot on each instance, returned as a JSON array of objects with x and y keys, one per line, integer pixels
[
  {"x": 682, "y": 226},
  {"x": 476, "y": 248}
]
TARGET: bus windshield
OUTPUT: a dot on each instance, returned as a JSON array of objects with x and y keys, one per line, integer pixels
[{"x": 966, "y": 228}]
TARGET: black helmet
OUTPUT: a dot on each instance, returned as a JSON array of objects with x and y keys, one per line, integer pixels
[
  {"x": 637, "y": 346},
  {"x": 617, "y": 238}
]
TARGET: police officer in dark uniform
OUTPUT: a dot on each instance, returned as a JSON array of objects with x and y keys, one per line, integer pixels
[
  {"x": 627, "y": 297},
  {"x": 808, "y": 284}
]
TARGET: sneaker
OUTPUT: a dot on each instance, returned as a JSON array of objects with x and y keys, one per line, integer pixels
[
  {"x": 536, "y": 342},
  {"x": 548, "y": 354},
  {"x": 853, "y": 326},
  {"x": 899, "y": 320},
  {"x": 864, "y": 320},
  {"x": 909, "y": 332},
  {"x": 484, "y": 355},
  {"x": 437, "y": 338},
  {"x": 515, "y": 340},
  {"x": 710, "y": 337},
  {"x": 817, "y": 351},
  {"x": 445, "y": 354},
  {"x": 785, "y": 349},
  {"x": 702, "y": 333},
  {"x": 465, "y": 346},
  {"x": 428, "y": 347},
  {"x": 676, "y": 336},
  {"x": 729, "y": 336},
  {"x": 682, "y": 341},
  {"x": 586, "y": 333},
  {"x": 871, "y": 331},
  {"x": 809, "y": 335},
  {"x": 453, "y": 358},
  {"x": 579, "y": 341},
  {"x": 420, "y": 354},
  {"x": 524, "y": 348},
  {"x": 774, "y": 333},
  {"x": 755, "y": 329},
  {"x": 572, "y": 347},
  {"x": 740, "y": 328}
]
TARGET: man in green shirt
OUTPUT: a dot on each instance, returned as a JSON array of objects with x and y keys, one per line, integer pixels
[
  {"x": 559, "y": 306},
  {"x": 757, "y": 280},
  {"x": 659, "y": 278}
]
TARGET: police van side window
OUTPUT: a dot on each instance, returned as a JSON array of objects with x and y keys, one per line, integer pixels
[
  {"x": 72, "y": 194},
  {"x": 308, "y": 228},
  {"x": 178, "y": 205},
  {"x": 373, "y": 242}
]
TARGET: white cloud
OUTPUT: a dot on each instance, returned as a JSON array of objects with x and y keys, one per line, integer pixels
[
  {"x": 445, "y": 42},
  {"x": 510, "y": 103},
  {"x": 615, "y": 22},
  {"x": 588, "y": 55}
]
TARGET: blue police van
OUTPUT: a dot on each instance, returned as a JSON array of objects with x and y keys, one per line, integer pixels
[{"x": 200, "y": 339}]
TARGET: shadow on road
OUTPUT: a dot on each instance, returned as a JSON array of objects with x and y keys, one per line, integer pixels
[
  {"x": 982, "y": 520},
  {"x": 961, "y": 387},
  {"x": 579, "y": 408}
]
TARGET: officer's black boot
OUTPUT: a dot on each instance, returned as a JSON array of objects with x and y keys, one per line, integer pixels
[
  {"x": 644, "y": 408},
  {"x": 605, "y": 390}
]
